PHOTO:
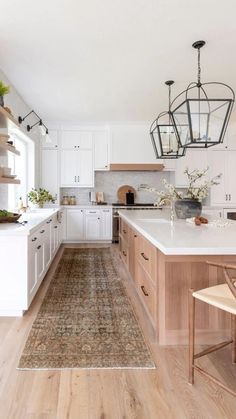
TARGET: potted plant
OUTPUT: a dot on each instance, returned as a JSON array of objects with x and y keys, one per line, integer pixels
[
  {"x": 188, "y": 203},
  {"x": 3, "y": 91},
  {"x": 38, "y": 197}
]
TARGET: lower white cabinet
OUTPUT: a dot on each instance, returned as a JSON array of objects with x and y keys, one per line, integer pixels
[
  {"x": 106, "y": 224},
  {"x": 92, "y": 225},
  {"x": 83, "y": 224},
  {"x": 24, "y": 272},
  {"x": 74, "y": 224}
]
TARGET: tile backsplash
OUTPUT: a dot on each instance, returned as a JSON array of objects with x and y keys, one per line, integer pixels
[{"x": 109, "y": 183}]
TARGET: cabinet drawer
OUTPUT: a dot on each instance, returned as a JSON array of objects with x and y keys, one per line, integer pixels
[
  {"x": 124, "y": 250},
  {"x": 92, "y": 212},
  {"x": 146, "y": 291},
  {"x": 147, "y": 256},
  {"x": 124, "y": 229}
]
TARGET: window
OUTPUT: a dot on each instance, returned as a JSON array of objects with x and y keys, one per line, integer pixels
[{"x": 23, "y": 167}]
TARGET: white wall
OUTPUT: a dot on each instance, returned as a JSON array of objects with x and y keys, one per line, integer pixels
[{"x": 19, "y": 108}]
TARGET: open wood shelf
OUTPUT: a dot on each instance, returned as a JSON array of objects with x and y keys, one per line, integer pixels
[
  {"x": 8, "y": 147},
  {"x": 9, "y": 180},
  {"x": 7, "y": 120}
]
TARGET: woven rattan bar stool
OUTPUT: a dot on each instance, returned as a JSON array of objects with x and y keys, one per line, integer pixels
[{"x": 222, "y": 296}]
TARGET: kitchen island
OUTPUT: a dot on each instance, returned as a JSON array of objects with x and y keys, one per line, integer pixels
[{"x": 165, "y": 260}]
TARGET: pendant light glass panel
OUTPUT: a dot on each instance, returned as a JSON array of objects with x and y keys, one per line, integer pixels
[
  {"x": 201, "y": 123},
  {"x": 165, "y": 139}
]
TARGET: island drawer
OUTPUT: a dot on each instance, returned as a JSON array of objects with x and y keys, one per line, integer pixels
[
  {"x": 124, "y": 229},
  {"x": 124, "y": 250},
  {"x": 147, "y": 292},
  {"x": 147, "y": 255}
]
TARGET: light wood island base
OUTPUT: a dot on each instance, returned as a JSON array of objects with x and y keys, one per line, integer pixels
[{"x": 162, "y": 283}]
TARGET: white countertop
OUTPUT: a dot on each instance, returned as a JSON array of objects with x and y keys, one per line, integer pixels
[
  {"x": 34, "y": 219},
  {"x": 182, "y": 238}
]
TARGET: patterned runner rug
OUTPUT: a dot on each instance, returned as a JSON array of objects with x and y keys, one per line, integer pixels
[{"x": 86, "y": 319}]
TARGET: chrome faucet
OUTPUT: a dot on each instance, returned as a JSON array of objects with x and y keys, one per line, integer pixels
[{"x": 172, "y": 214}]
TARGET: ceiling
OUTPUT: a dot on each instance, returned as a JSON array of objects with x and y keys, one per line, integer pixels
[{"x": 106, "y": 60}]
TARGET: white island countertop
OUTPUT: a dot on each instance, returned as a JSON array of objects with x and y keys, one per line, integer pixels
[
  {"x": 183, "y": 238},
  {"x": 34, "y": 220}
]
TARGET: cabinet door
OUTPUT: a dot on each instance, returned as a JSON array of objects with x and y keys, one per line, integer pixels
[
  {"x": 75, "y": 224},
  {"x": 32, "y": 274},
  {"x": 69, "y": 168},
  {"x": 106, "y": 224},
  {"x": 194, "y": 159},
  {"x": 45, "y": 237},
  {"x": 85, "y": 172},
  {"x": 217, "y": 165},
  {"x": 101, "y": 150},
  {"x": 40, "y": 260},
  {"x": 49, "y": 175},
  {"x": 53, "y": 135},
  {"x": 231, "y": 172},
  {"x": 76, "y": 139},
  {"x": 92, "y": 227}
]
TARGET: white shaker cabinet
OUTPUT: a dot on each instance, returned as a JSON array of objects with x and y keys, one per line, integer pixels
[
  {"x": 223, "y": 162},
  {"x": 75, "y": 224},
  {"x": 77, "y": 168},
  {"x": 49, "y": 171},
  {"x": 76, "y": 139},
  {"x": 106, "y": 224},
  {"x": 101, "y": 150},
  {"x": 92, "y": 224}
]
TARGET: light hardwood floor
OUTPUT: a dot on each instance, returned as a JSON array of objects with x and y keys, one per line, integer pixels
[{"x": 109, "y": 394}]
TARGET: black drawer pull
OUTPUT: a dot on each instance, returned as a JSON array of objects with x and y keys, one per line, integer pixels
[
  {"x": 124, "y": 253},
  {"x": 144, "y": 257},
  {"x": 34, "y": 239},
  {"x": 42, "y": 231},
  {"x": 49, "y": 221},
  {"x": 124, "y": 231},
  {"x": 39, "y": 247},
  {"x": 144, "y": 291},
  {"x": 55, "y": 226},
  {"x": 135, "y": 235}
]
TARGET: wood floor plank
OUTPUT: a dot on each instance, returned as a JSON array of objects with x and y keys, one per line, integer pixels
[{"x": 163, "y": 393}]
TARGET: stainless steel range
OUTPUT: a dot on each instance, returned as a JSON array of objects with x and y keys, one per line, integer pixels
[{"x": 116, "y": 218}]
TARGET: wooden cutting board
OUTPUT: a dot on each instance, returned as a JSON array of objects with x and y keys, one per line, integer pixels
[{"x": 122, "y": 191}]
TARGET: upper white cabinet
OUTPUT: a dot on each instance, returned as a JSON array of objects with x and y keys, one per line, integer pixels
[
  {"x": 77, "y": 168},
  {"x": 53, "y": 134},
  {"x": 101, "y": 150},
  {"x": 223, "y": 162},
  {"x": 194, "y": 159},
  {"x": 49, "y": 171},
  {"x": 72, "y": 139}
]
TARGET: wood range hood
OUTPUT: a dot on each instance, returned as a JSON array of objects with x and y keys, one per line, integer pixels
[{"x": 148, "y": 167}]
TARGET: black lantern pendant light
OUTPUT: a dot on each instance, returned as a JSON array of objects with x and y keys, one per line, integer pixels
[
  {"x": 164, "y": 134},
  {"x": 201, "y": 119}
]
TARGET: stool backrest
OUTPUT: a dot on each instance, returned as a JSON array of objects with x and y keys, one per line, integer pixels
[{"x": 229, "y": 279}]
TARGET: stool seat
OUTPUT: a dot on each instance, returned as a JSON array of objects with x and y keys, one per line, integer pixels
[{"x": 218, "y": 296}]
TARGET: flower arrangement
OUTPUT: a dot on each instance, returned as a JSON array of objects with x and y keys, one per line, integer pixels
[
  {"x": 194, "y": 191},
  {"x": 4, "y": 89},
  {"x": 40, "y": 196}
]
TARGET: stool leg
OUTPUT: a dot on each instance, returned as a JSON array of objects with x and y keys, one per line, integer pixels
[
  {"x": 233, "y": 329},
  {"x": 191, "y": 335}
]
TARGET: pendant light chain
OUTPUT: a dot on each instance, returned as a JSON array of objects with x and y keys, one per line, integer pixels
[{"x": 199, "y": 68}]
